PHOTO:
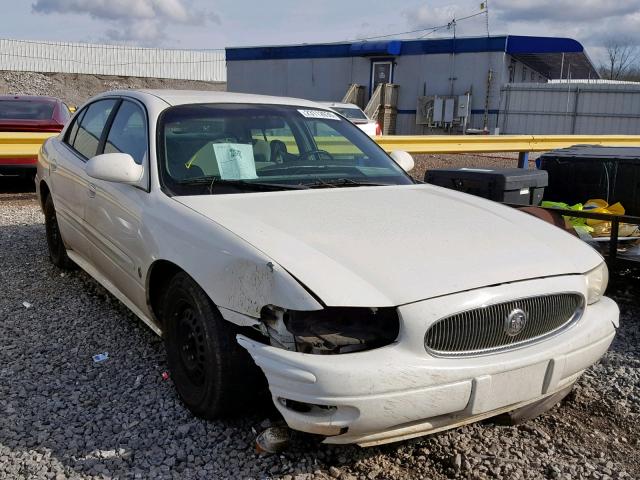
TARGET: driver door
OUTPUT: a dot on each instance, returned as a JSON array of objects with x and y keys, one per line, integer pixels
[{"x": 120, "y": 244}]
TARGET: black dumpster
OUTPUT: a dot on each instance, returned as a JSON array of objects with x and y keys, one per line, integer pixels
[
  {"x": 582, "y": 172},
  {"x": 511, "y": 185}
]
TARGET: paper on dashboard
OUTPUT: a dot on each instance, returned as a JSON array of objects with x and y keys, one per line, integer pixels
[{"x": 235, "y": 160}]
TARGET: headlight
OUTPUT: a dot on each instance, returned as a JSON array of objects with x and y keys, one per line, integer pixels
[
  {"x": 333, "y": 330},
  {"x": 597, "y": 280}
]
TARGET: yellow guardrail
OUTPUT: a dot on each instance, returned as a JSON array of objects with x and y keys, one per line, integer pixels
[
  {"x": 499, "y": 143},
  {"x": 22, "y": 144},
  {"x": 27, "y": 144}
]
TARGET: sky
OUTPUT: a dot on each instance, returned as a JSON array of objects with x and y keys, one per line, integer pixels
[{"x": 210, "y": 24}]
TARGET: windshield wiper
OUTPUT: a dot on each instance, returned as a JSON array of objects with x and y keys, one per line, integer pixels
[
  {"x": 342, "y": 182},
  {"x": 214, "y": 181}
]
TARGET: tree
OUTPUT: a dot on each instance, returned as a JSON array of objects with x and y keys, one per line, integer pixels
[{"x": 621, "y": 57}]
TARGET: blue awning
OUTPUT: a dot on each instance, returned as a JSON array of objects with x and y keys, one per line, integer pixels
[
  {"x": 393, "y": 47},
  {"x": 543, "y": 54}
]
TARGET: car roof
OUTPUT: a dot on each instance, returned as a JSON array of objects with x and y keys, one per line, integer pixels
[
  {"x": 38, "y": 98},
  {"x": 185, "y": 97}
]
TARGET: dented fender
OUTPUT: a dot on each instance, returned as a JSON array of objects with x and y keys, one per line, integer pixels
[
  {"x": 251, "y": 285},
  {"x": 238, "y": 277}
]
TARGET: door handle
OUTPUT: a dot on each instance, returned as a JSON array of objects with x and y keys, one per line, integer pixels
[{"x": 91, "y": 191}]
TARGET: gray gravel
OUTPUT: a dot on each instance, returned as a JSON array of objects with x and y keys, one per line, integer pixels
[
  {"x": 75, "y": 88},
  {"x": 62, "y": 416}
]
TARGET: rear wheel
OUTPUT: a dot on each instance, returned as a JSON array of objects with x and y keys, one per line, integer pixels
[
  {"x": 57, "y": 250},
  {"x": 213, "y": 375}
]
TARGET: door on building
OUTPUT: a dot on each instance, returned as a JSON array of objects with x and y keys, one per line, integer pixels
[{"x": 381, "y": 72}]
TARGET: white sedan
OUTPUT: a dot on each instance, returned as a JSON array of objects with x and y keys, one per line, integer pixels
[
  {"x": 355, "y": 115},
  {"x": 376, "y": 308}
]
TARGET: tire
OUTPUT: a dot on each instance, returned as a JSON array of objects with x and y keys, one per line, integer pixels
[
  {"x": 57, "y": 250},
  {"x": 213, "y": 375}
]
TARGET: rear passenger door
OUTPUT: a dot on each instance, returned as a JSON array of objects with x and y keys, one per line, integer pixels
[
  {"x": 70, "y": 183},
  {"x": 119, "y": 248}
]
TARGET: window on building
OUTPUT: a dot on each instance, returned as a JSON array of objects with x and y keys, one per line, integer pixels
[{"x": 512, "y": 71}]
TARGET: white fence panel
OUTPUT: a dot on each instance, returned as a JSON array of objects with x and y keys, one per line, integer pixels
[
  {"x": 580, "y": 108},
  {"x": 32, "y": 56}
]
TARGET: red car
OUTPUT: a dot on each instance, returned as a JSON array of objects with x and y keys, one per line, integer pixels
[{"x": 26, "y": 113}]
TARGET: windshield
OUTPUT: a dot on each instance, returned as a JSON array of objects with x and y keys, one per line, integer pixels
[
  {"x": 352, "y": 113},
  {"x": 25, "y": 110},
  {"x": 240, "y": 148}
]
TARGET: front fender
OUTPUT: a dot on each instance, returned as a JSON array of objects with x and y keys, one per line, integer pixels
[{"x": 239, "y": 278}]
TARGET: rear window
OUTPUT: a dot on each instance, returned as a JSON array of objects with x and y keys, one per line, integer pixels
[
  {"x": 25, "y": 110},
  {"x": 351, "y": 113}
]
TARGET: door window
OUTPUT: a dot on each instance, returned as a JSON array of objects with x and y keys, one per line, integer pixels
[
  {"x": 73, "y": 130},
  {"x": 128, "y": 133},
  {"x": 87, "y": 138},
  {"x": 381, "y": 73}
]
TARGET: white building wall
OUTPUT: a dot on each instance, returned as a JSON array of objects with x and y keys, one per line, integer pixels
[
  {"x": 320, "y": 79},
  {"x": 32, "y": 56},
  {"x": 327, "y": 79}
]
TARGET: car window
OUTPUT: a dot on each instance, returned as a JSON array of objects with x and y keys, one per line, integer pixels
[
  {"x": 26, "y": 110},
  {"x": 91, "y": 126},
  {"x": 128, "y": 133},
  {"x": 352, "y": 113},
  {"x": 73, "y": 129},
  {"x": 328, "y": 139},
  {"x": 272, "y": 144}
]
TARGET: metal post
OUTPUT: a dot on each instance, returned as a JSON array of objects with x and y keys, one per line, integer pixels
[
  {"x": 523, "y": 160},
  {"x": 613, "y": 242}
]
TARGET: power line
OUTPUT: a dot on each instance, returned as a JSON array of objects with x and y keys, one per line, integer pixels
[{"x": 429, "y": 30}]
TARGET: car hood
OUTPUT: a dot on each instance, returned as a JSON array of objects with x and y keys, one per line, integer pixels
[{"x": 388, "y": 246}]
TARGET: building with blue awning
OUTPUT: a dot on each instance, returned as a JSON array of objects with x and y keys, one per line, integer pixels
[{"x": 450, "y": 84}]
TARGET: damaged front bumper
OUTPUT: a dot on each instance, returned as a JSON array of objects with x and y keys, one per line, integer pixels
[{"x": 400, "y": 391}]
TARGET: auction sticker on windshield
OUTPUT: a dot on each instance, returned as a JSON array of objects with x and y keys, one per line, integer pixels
[{"x": 319, "y": 114}]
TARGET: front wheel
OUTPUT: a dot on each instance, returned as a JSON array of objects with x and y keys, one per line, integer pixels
[
  {"x": 57, "y": 250},
  {"x": 213, "y": 375}
]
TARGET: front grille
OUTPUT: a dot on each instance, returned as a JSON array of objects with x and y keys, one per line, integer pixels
[{"x": 500, "y": 326}]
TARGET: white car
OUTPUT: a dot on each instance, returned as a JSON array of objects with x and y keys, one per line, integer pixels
[
  {"x": 378, "y": 309},
  {"x": 355, "y": 115}
]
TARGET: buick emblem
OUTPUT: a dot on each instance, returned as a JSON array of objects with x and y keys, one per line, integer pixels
[{"x": 515, "y": 322}]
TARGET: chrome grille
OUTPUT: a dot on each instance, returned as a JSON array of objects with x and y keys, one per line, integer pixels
[{"x": 491, "y": 328}]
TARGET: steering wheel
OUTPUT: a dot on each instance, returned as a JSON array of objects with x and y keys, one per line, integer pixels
[{"x": 304, "y": 155}]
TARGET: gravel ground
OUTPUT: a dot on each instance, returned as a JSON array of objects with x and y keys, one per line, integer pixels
[{"x": 62, "y": 416}]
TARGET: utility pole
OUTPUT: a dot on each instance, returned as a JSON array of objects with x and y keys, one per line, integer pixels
[
  {"x": 452, "y": 68},
  {"x": 485, "y": 6}
]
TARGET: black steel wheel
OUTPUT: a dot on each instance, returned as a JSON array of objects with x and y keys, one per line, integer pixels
[
  {"x": 55, "y": 244},
  {"x": 213, "y": 375}
]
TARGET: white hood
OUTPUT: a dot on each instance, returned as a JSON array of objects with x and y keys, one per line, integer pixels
[{"x": 388, "y": 246}]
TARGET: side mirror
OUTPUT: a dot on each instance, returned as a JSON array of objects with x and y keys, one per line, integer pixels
[
  {"x": 404, "y": 159},
  {"x": 115, "y": 167}
]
